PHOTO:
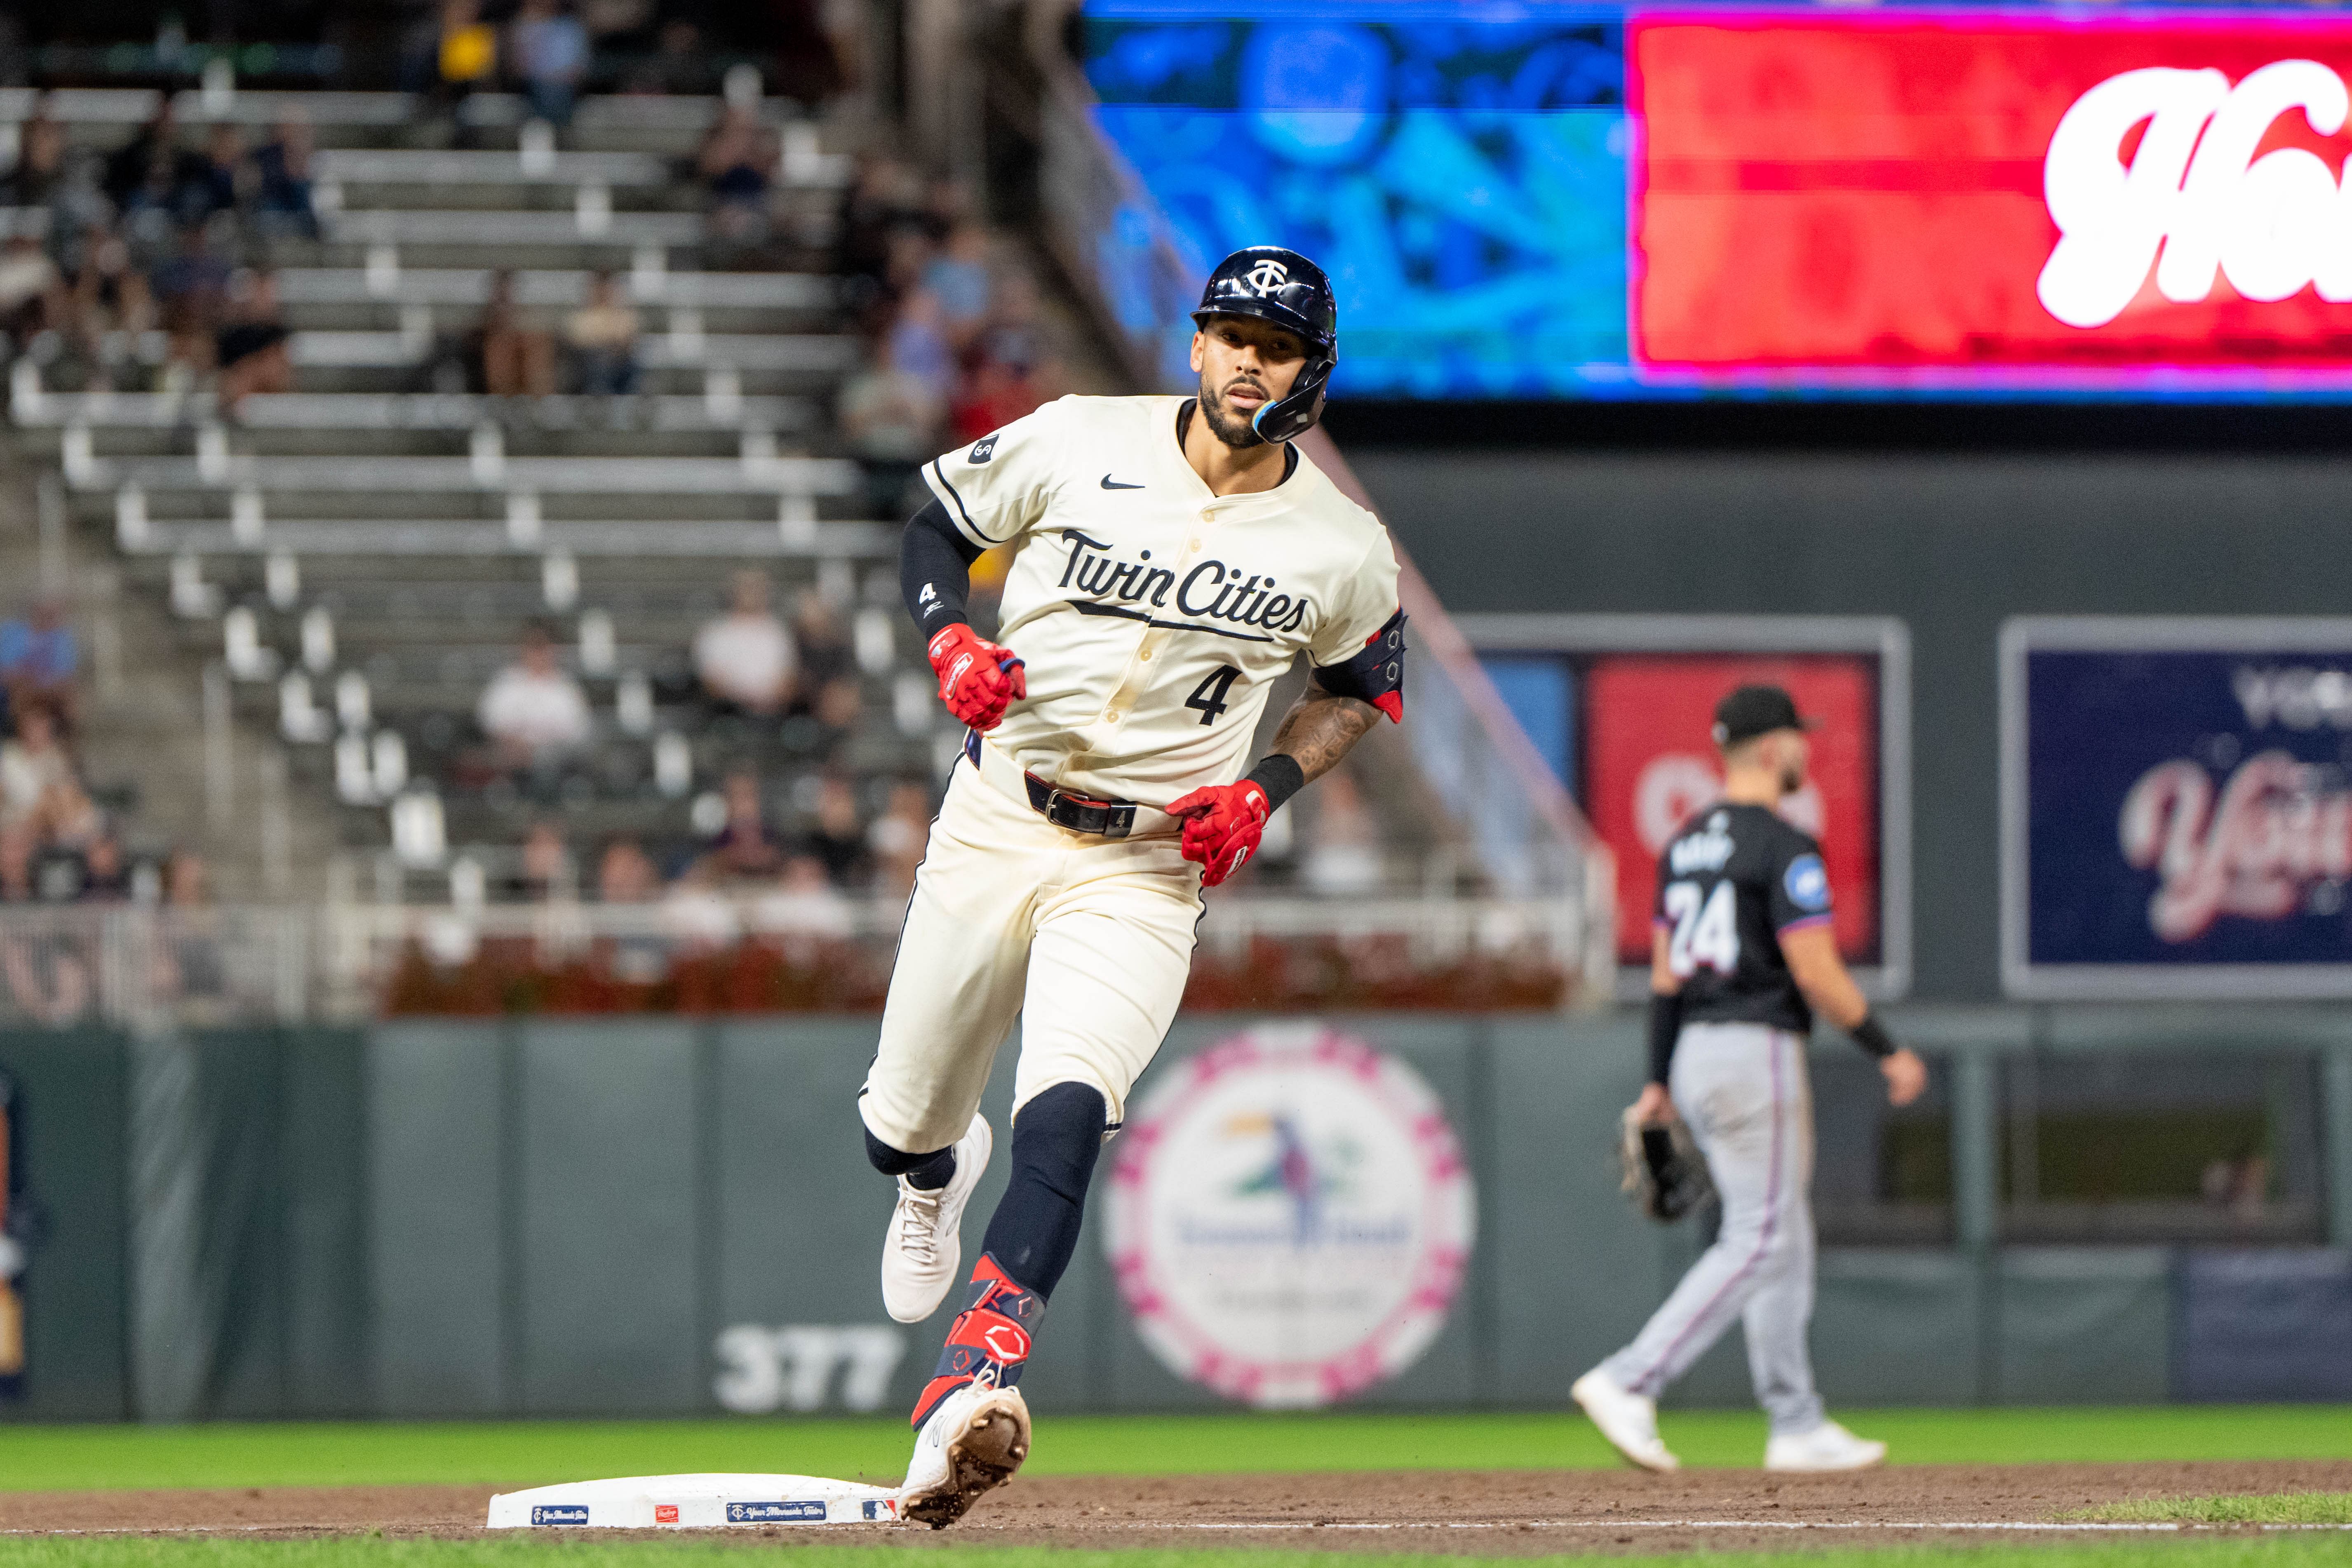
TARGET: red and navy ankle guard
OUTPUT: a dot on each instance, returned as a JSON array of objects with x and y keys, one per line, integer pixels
[{"x": 988, "y": 1340}]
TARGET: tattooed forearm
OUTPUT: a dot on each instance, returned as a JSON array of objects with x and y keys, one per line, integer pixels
[{"x": 1321, "y": 728}]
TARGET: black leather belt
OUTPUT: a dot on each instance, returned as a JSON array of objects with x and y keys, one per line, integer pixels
[{"x": 1080, "y": 812}]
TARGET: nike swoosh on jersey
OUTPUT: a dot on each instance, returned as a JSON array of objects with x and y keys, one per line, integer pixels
[{"x": 1110, "y": 484}]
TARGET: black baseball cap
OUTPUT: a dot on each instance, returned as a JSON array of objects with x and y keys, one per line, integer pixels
[{"x": 1753, "y": 711}]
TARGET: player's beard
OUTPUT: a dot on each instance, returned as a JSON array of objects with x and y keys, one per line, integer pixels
[
  {"x": 1792, "y": 779},
  {"x": 1224, "y": 424}
]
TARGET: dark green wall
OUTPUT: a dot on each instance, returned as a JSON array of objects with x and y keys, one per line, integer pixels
[
  {"x": 1950, "y": 544},
  {"x": 73, "y": 1086}
]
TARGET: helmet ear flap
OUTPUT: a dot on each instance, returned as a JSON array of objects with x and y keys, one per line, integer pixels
[{"x": 1296, "y": 413}]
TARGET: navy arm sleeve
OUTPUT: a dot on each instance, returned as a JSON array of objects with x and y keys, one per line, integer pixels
[{"x": 935, "y": 569}]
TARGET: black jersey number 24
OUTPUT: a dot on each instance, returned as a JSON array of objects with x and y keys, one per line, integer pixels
[
  {"x": 1208, "y": 699},
  {"x": 1706, "y": 929}
]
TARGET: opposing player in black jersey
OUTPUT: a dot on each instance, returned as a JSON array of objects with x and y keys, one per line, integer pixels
[{"x": 1741, "y": 958}]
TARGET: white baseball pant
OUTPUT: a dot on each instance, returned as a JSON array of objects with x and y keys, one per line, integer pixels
[
  {"x": 1743, "y": 1090},
  {"x": 1088, "y": 939}
]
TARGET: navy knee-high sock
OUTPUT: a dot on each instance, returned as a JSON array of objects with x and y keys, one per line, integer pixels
[{"x": 1057, "y": 1139}]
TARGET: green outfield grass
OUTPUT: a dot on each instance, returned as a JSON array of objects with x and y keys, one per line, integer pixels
[
  {"x": 2244, "y": 1551},
  {"x": 2288, "y": 1507},
  {"x": 58, "y": 1459}
]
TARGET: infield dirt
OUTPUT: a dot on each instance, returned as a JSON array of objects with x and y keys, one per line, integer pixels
[{"x": 1501, "y": 1513}]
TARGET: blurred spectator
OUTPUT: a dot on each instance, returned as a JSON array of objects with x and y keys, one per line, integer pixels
[
  {"x": 109, "y": 297},
  {"x": 873, "y": 208},
  {"x": 1343, "y": 851},
  {"x": 747, "y": 845},
  {"x": 958, "y": 277},
  {"x": 546, "y": 865},
  {"x": 190, "y": 966},
  {"x": 890, "y": 419},
  {"x": 465, "y": 58},
  {"x": 508, "y": 358},
  {"x": 532, "y": 711},
  {"x": 41, "y": 801},
  {"x": 145, "y": 172},
  {"x": 996, "y": 394},
  {"x": 805, "y": 905},
  {"x": 745, "y": 658},
  {"x": 549, "y": 49},
  {"x": 736, "y": 160},
  {"x": 627, "y": 874},
  {"x": 920, "y": 347},
  {"x": 211, "y": 186},
  {"x": 106, "y": 871},
  {"x": 41, "y": 161},
  {"x": 601, "y": 337},
  {"x": 32, "y": 290},
  {"x": 282, "y": 180},
  {"x": 678, "y": 65},
  {"x": 695, "y": 915},
  {"x": 838, "y": 838},
  {"x": 250, "y": 347},
  {"x": 40, "y": 660},
  {"x": 1015, "y": 334},
  {"x": 836, "y": 708},
  {"x": 898, "y": 837},
  {"x": 189, "y": 289},
  {"x": 825, "y": 652}
]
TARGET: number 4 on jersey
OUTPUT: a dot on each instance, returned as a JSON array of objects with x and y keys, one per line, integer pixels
[
  {"x": 1706, "y": 929},
  {"x": 1208, "y": 699}
]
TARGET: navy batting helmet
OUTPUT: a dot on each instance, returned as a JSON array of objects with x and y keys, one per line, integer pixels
[{"x": 1283, "y": 288}]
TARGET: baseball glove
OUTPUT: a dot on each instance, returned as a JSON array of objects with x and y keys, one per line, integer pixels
[{"x": 1663, "y": 1172}]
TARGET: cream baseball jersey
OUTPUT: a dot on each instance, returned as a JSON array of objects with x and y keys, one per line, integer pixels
[{"x": 1152, "y": 615}]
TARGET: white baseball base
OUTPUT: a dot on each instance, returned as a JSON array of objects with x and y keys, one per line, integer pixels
[{"x": 695, "y": 1502}]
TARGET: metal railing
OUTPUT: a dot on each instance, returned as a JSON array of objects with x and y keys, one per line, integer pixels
[
  {"x": 145, "y": 969},
  {"x": 142, "y": 967}
]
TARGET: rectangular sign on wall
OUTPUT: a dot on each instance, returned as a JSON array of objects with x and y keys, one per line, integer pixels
[
  {"x": 1641, "y": 693},
  {"x": 2176, "y": 816}
]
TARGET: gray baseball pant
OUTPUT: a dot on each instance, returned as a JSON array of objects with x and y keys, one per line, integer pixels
[{"x": 1742, "y": 1089}]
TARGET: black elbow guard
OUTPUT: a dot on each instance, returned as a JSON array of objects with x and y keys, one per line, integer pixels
[{"x": 1376, "y": 675}]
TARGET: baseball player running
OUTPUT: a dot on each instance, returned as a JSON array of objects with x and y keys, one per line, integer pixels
[
  {"x": 1172, "y": 556},
  {"x": 1741, "y": 956}
]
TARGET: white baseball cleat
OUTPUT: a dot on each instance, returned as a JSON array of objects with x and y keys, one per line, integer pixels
[
  {"x": 924, "y": 1249},
  {"x": 1828, "y": 1447},
  {"x": 973, "y": 1442},
  {"x": 1627, "y": 1419}
]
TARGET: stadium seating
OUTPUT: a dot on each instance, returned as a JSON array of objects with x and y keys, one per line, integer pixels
[{"x": 362, "y": 552}]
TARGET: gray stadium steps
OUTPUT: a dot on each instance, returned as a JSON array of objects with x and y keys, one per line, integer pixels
[
  {"x": 548, "y": 476},
  {"x": 725, "y": 541},
  {"x": 435, "y": 412}
]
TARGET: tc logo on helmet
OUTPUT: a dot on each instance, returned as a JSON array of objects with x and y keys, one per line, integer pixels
[{"x": 1267, "y": 276}]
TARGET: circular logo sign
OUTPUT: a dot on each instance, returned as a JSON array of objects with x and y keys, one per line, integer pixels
[{"x": 1290, "y": 1217}]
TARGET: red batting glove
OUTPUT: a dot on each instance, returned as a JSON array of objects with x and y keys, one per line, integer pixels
[
  {"x": 1222, "y": 825},
  {"x": 978, "y": 679}
]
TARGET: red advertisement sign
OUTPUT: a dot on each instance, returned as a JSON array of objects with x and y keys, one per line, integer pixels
[
  {"x": 1649, "y": 764},
  {"x": 2036, "y": 196}
]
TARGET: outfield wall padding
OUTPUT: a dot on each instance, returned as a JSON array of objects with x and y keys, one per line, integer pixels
[{"x": 627, "y": 1218}]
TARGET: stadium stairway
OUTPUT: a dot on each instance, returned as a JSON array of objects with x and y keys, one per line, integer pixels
[{"x": 350, "y": 562}]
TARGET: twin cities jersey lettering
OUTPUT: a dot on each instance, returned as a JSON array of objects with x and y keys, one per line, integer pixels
[
  {"x": 1729, "y": 884},
  {"x": 1152, "y": 615}
]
